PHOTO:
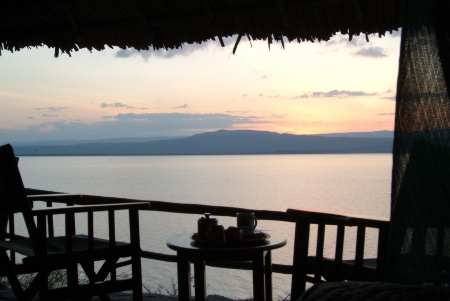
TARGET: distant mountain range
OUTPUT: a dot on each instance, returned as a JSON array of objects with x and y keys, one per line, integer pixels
[
  {"x": 110, "y": 140},
  {"x": 375, "y": 134},
  {"x": 219, "y": 142}
]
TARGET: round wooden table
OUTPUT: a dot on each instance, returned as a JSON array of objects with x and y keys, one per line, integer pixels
[{"x": 189, "y": 251}]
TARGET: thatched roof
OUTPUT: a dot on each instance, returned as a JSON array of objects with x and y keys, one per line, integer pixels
[{"x": 144, "y": 24}]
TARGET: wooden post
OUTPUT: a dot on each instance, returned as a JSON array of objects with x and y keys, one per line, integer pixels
[
  {"x": 301, "y": 242},
  {"x": 136, "y": 269}
]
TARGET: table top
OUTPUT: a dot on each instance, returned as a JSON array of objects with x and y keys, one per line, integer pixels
[{"x": 184, "y": 242}]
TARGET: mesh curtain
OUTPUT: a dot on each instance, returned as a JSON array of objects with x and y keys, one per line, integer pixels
[{"x": 419, "y": 244}]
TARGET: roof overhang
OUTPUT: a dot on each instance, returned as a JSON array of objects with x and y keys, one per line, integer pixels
[{"x": 144, "y": 24}]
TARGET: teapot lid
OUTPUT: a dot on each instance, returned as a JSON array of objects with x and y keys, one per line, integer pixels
[{"x": 206, "y": 218}]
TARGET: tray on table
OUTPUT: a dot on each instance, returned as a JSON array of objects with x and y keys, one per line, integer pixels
[{"x": 255, "y": 238}]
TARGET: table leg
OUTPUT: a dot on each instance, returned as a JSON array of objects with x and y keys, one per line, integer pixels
[
  {"x": 259, "y": 287},
  {"x": 184, "y": 278},
  {"x": 268, "y": 274},
  {"x": 200, "y": 283}
]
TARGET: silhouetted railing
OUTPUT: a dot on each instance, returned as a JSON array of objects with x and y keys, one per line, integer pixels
[{"x": 50, "y": 197}]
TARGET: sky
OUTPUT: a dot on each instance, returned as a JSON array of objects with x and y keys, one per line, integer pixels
[{"x": 306, "y": 88}]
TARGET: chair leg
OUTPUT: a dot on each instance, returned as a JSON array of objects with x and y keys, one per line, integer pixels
[
  {"x": 72, "y": 275},
  {"x": 32, "y": 289},
  {"x": 106, "y": 268},
  {"x": 6, "y": 263},
  {"x": 88, "y": 268},
  {"x": 42, "y": 277},
  {"x": 101, "y": 274},
  {"x": 136, "y": 271}
]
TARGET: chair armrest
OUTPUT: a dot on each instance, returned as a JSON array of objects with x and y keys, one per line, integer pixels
[
  {"x": 334, "y": 218},
  {"x": 90, "y": 208},
  {"x": 61, "y": 198}
]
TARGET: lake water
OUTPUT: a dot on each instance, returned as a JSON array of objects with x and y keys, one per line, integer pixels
[{"x": 358, "y": 184}]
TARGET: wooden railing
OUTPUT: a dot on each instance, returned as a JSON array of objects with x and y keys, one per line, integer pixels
[{"x": 51, "y": 197}]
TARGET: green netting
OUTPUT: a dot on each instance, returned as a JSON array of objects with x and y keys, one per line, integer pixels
[{"x": 419, "y": 245}]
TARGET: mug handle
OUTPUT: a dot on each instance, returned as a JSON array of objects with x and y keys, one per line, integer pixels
[{"x": 256, "y": 222}]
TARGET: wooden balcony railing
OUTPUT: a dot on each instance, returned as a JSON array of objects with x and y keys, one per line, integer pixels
[
  {"x": 50, "y": 197},
  {"x": 301, "y": 241}
]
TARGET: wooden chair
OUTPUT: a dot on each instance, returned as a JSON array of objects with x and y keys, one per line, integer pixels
[
  {"x": 418, "y": 247},
  {"x": 335, "y": 269},
  {"x": 413, "y": 247},
  {"x": 43, "y": 254}
]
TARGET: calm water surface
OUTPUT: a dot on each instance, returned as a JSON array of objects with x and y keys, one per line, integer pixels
[{"x": 358, "y": 184}]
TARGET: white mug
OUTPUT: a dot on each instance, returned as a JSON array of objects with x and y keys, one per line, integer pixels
[{"x": 246, "y": 221}]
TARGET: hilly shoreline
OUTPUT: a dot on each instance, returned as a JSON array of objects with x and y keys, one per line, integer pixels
[{"x": 222, "y": 142}]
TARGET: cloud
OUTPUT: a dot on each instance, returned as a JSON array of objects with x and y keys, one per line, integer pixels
[
  {"x": 277, "y": 116},
  {"x": 276, "y": 96},
  {"x": 163, "y": 117},
  {"x": 31, "y": 117},
  {"x": 119, "y": 105},
  {"x": 358, "y": 46},
  {"x": 382, "y": 114},
  {"x": 260, "y": 95},
  {"x": 132, "y": 125},
  {"x": 372, "y": 52},
  {"x": 182, "y": 107},
  {"x": 343, "y": 93},
  {"x": 53, "y": 109},
  {"x": 355, "y": 42},
  {"x": 245, "y": 95},
  {"x": 334, "y": 45},
  {"x": 389, "y": 97},
  {"x": 184, "y": 50},
  {"x": 302, "y": 96},
  {"x": 331, "y": 43},
  {"x": 234, "y": 112},
  {"x": 264, "y": 76},
  {"x": 45, "y": 115}
]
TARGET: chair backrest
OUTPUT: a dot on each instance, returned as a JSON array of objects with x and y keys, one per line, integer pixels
[
  {"x": 335, "y": 269},
  {"x": 4, "y": 217},
  {"x": 12, "y": 191},
  {"x": 13, "y": 198},
  {"x": 419, "y": 242}
]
